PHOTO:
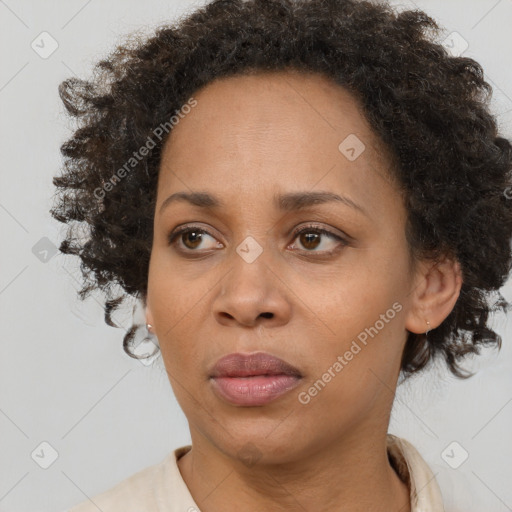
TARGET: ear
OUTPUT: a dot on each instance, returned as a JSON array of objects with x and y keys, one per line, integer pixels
[
  {"x": 436, "y": 290},
  {"x": 149, "y": 314}
]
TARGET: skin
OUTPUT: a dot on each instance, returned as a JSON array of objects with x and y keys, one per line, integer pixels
[{"x": 248, "y": 138}]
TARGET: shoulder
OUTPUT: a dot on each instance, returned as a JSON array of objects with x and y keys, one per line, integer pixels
[
  {"x": 147, "y": 489},
  {"x": 414, "y": 470}
]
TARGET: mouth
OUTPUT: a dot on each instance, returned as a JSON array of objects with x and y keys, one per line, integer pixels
[{"x": 253, "y": 379}]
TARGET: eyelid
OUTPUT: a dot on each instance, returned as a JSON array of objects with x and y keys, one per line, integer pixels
[
  {"x": 171, "y": 237},
  {"x": 314, "y": 227},
  {"x": 321, "y": 229},
  {"x": 343, "y": 240}
]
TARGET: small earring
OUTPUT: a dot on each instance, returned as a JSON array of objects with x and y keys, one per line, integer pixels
[{"x": 428, "y": 328}]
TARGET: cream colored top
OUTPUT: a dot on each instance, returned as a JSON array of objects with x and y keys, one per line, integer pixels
[{"x": 161, "y": 488}]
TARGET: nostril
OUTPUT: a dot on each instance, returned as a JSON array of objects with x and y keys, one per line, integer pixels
[{"x": 267, "y": 315}]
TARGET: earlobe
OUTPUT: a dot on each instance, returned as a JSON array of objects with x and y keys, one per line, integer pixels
[
  {"x": 149, "y": 316},
  {"x": 435, "y": 294}
]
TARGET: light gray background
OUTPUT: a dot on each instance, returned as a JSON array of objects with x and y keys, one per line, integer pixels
[{"x": 64, "y": 378}]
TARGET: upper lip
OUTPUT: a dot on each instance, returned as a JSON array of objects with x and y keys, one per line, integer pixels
[{"x": 246, "y": 365}]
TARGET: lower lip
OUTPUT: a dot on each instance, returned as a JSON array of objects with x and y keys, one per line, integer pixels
[{"x": 256, "y": 390}]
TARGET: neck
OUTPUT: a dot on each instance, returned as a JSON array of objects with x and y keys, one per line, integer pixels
[{"x": 354, "y": 475}]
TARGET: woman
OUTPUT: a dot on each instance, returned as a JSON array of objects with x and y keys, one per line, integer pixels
[{"x": 310, "y": 200}]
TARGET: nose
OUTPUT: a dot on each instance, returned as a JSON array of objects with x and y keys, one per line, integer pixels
[{"x": 252, "y": 294}]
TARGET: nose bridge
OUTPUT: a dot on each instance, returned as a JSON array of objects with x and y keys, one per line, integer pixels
[
  {"x": 250, "y": 288},
  {"x": 249, "y": 273}
]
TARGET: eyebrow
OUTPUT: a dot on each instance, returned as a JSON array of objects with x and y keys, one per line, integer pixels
[{"x": 286, "y": 202}]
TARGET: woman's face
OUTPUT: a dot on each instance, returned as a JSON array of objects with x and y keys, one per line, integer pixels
[{"x": 333, "y": 305}]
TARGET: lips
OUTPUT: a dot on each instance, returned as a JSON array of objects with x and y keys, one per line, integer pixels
[
  {"x": 260, "y": 363},
  {"x": 253, "y": 379}
]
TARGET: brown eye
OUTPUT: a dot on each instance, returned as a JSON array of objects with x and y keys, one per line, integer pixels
[
  {"x": 190, "y": 238},
  {"x": 309, "y": 240},
  {"x": 312, "y": 237}
]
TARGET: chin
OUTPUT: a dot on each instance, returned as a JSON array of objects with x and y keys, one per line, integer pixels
[{"x": 261, "y": 442}]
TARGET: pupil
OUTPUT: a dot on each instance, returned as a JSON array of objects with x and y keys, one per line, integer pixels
[
  {"x": 310, "y": 237},
  {"x": 192, "y": 234}
]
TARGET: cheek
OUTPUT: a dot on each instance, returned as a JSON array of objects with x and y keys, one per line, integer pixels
[
  {"x": 355, "y": 300},
  {"x": 355, "y": 373},
  {"x": 172, "y": 307},
  {"x": 172, "y": 295},
  {"x": 363, "y": 329}
]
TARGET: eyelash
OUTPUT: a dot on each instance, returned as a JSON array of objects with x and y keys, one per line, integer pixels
[{"x": 304, "y": 229}]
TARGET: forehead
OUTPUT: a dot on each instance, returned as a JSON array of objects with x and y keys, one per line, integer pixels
[
  {"x": 284, "y": 128},
  {"x": 262, "y": 103}
]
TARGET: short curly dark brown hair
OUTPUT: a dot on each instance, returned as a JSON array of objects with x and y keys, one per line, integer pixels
[{"x": 429, "y": 108}]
